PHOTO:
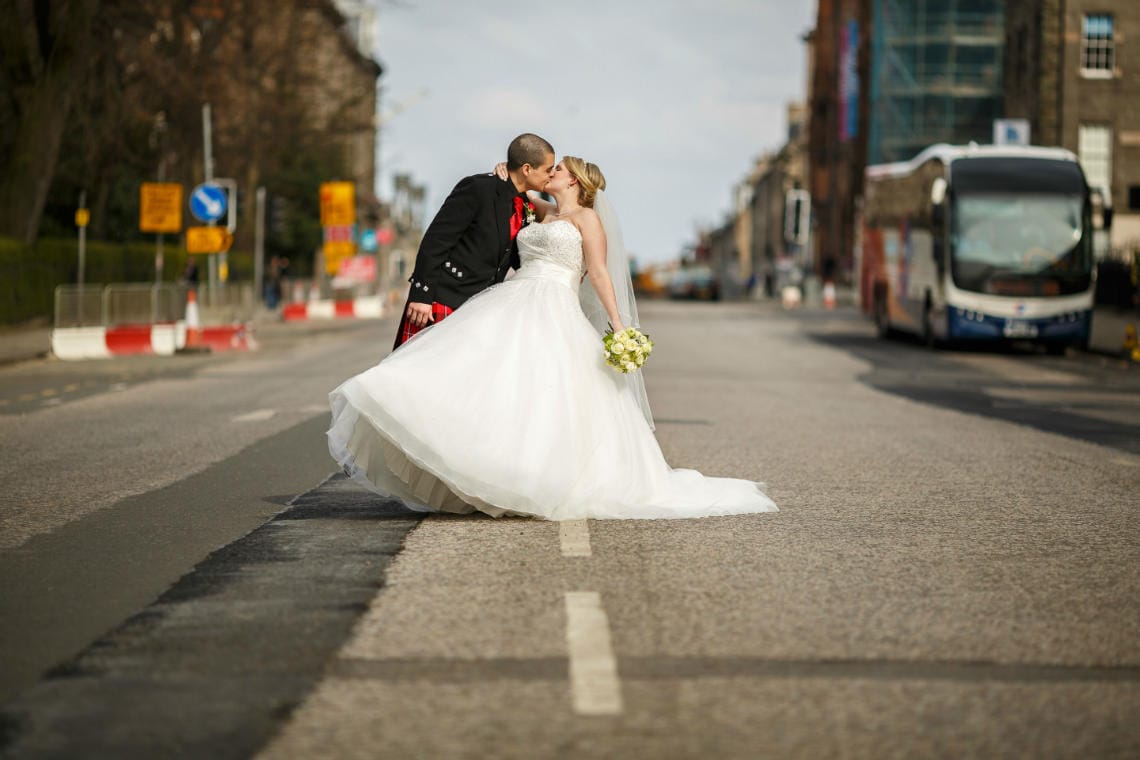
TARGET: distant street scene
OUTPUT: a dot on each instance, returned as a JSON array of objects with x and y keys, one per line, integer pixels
[{"x": 382, "y": 378}]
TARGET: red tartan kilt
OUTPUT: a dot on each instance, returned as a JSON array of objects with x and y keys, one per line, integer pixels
[{"x": 406, "y": 330}]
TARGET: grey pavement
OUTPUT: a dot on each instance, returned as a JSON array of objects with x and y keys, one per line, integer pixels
[
  {"x": 953, "y": 571},
  {"x": 24, "y": 342}
]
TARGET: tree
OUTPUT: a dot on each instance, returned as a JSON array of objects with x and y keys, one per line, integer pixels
[{"x": 44, "y": 46}]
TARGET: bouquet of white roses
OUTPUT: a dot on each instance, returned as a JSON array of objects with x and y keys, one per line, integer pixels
[{"x": 627, "y": 350}]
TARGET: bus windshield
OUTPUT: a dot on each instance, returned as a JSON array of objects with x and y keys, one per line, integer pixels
[{"x": 1002, "y": 237}]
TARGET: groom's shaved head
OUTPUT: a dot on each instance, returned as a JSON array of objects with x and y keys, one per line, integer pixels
[{"x": 528, "y": 149}]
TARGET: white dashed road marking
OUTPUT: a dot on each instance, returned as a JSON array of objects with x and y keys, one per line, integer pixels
[
  {"x": 594, "y": 686},
  {"x": 574, "y": 535},
  {"x": 257, "y": 415}
]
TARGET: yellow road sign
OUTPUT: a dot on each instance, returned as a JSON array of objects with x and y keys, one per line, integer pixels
[
  {"x": 208, "y": 239},
  {"x": 82, "y": 217},
  {"x": 160, "y": 207},
  {"x": 338, "y": 204},
  {"x": 336, "y": 253}
]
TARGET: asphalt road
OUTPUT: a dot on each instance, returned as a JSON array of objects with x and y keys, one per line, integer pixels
[{"x": 953, "y": 572}]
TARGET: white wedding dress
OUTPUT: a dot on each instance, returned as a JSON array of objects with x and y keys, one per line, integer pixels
[{"x": 508, "y": 407}]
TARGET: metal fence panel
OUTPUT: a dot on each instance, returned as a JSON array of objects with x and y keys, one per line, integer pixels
[{"x": 79, "y": 306}]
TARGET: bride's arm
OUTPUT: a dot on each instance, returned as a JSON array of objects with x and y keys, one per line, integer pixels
[
  {"x": 542, "y": 207},
  {"x": 594, "y": 251}
]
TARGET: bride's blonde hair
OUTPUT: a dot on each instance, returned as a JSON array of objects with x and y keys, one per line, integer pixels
[{"x": 589, "y": 176}]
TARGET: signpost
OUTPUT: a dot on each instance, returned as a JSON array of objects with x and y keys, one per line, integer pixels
[
  {"x": 338, "y": 246},
  {"x": 160, "y": 207},
  {"x": 1011, "y": 131},
  {"x": 338, "y": 204},
  {"x": 160, "y": 211},
  {"x": 208, "y": 239},
  {"x": 338, "y": 215},
  {"x": 208, "y": 202},
  {"x": 82, "y": 216}
]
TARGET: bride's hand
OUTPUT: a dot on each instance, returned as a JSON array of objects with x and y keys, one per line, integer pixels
[{"x": 500, "y": 170}]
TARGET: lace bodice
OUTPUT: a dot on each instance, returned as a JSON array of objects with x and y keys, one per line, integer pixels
[{"x": 555, "y": 243}]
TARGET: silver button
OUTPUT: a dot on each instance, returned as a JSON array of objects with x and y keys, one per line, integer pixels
[
  {"x": 459, "y": 274},
  {"x": 447, "y": 263}
]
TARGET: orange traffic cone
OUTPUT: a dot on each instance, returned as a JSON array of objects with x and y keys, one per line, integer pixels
[
  {"x": 193, "y": 325},
  {"x": 829, "y": 295}
]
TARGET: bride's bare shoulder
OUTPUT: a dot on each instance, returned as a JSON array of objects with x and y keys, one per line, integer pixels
[{"x": 587, "y": 219}]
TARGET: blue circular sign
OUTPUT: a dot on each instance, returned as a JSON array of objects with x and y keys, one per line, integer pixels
[
  {"x": 208, "y": 202},
  {"x": 368, "y": 240}
]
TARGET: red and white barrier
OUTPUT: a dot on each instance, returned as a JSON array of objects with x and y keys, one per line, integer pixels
[
  {"x": 371, "y": 307},
  {"x": 160, "y": 340}
]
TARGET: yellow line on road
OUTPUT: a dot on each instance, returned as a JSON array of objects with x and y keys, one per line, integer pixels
[{"x": 49, "y": 392}]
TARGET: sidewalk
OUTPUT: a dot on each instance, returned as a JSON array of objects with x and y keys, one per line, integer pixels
[
  {"x": 1108, "y": 328},
  {"x": 25, "y": 342},
  {"x": 33, "y": 341}
]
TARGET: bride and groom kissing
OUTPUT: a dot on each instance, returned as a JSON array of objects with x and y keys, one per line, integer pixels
[{"x": 506, "y": 404}]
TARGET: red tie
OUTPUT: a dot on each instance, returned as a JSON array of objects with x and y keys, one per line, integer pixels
[{"x": 517, "y": 217}]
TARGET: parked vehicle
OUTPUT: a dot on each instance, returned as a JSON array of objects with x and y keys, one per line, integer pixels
[
  {"x": 981, "y": 243},
  {"x": 695, "y": 283}
]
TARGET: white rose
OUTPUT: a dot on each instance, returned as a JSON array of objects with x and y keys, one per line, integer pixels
[
  {"x": 630, "y": 366},
  {"x": 617, "y": 347},
  {"x": 640, "y": 359}
]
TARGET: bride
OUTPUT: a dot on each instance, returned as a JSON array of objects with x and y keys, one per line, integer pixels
[{"x": 508, "y": 406}]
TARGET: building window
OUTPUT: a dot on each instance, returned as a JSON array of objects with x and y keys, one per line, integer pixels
[
  {"x": 1094, "y": 145},
  {"x": 1134, "y": 197},
  {"x": 1097, "y": 53}
]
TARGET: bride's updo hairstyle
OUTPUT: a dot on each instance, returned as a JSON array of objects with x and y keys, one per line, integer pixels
[{"x": 589, "y": 176}]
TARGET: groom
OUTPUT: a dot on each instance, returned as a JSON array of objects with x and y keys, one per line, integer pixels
[{"x": 470, "y": 244}]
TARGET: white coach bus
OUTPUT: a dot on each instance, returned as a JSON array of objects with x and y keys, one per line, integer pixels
[{"x": 980, "y": 243}]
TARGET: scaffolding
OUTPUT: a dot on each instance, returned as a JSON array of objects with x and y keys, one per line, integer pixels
[{"x": 935, "y": 74}]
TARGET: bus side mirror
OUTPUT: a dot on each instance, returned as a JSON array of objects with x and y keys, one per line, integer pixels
[
  {"x": 937, "y": 201},
  {"x": 938, "y": 191},
  {"x": 1101, "y": 207}
]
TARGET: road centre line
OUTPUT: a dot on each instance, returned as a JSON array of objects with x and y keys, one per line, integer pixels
[
  {"x": 574, "y": 536},
  {"x": 594, "y": 685},
  {"x": 257, "y": 415}
]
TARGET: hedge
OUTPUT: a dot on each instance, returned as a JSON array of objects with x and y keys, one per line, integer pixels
[{"x": 30, "y": 273}]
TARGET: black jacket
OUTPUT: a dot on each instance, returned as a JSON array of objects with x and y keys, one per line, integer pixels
[{"x": 468, "y": 246}]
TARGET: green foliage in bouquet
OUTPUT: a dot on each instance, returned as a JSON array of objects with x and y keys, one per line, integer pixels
[{"x": 628, "y": 350}]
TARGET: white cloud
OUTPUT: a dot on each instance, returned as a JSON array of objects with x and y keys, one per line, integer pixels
[{"x": 672, "y": 99}]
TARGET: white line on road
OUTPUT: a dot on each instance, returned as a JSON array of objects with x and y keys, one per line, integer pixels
[
  {"x": 315, "y": 409},
  {"x": 257, "y": 415},
  {"x": 574, "y": 535},
  {"x": 594, "y": 686}
]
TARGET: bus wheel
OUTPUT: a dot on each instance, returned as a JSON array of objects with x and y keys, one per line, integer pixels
[{"x": 882, "y": 320}]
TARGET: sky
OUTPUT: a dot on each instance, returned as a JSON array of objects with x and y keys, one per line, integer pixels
[{"x": 672, "y": 100}]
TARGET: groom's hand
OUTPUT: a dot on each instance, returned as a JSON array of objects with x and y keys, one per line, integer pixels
[{"x": 419, "y": 314}]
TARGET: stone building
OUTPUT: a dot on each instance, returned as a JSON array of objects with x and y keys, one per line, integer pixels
[
  {"x": 772, "y": 256},
  {"x": 1072, "y": 69},
  {"x": 837, "y": 129},
  {"x": 343, "y": 97}
]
